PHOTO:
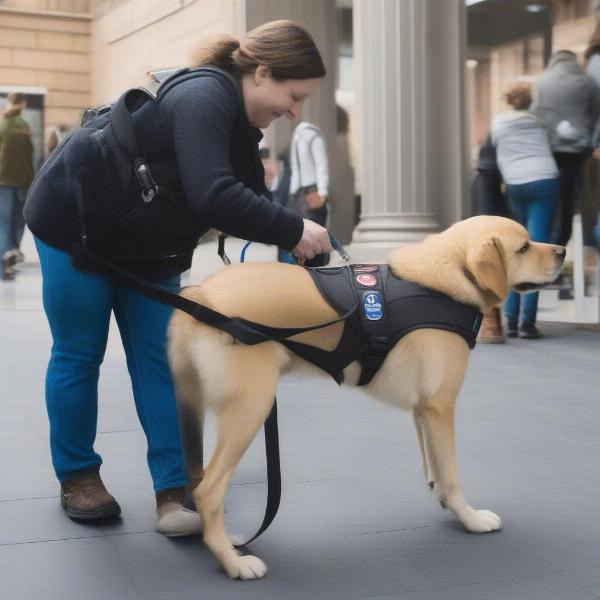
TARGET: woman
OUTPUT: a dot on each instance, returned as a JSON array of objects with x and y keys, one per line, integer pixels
[
  {"x": 531, "y": 177},
  {"x": 203, "y": 132}
]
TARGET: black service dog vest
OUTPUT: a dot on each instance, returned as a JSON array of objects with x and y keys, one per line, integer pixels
[{"x": 387, "y": 309}]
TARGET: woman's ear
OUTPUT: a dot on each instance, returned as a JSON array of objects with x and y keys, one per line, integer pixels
[
  {"x": 486, "y": 261},
  {"x": 262, "y": 72}
]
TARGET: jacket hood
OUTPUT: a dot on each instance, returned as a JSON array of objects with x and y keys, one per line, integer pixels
[{"x": 565, "y": 62}]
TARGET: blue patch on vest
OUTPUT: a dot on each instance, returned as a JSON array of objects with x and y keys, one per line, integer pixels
[{"x": 372, "y": 306}]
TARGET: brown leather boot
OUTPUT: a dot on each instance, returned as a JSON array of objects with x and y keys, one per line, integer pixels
[
  {"x": 85, "y": 498},
  {"x": 173, "y": 518},
  {"x": 491, "y": 328}
]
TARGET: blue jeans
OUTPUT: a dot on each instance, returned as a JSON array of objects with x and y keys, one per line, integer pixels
[
  {"x": 78, "y": 306},
  {"x": 7, "y": 204},
  {"x": 533, "y": 205}
]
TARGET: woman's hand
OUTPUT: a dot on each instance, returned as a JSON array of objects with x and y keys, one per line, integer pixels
[{"x": 314, "y": 240}]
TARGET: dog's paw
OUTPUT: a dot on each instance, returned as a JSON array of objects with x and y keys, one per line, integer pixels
[
  {"x": 481, "y": 521},
  {"x": 247, "y": 567}
]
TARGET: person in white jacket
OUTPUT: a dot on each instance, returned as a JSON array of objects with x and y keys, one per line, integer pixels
[{"x": 309, "y": 185}]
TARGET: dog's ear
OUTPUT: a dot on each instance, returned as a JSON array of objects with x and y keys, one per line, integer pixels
[{"x": 486, "y": 263}]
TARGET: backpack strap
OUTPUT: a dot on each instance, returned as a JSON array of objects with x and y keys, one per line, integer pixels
[
  {"x": 121, "y": 122},
  {"x": 120, "y": 117}
]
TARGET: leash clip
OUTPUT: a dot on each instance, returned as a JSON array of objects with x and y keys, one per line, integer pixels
[{"x": 339, "y": 248}]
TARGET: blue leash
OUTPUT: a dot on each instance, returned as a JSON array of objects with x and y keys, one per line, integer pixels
[{"x": 243, "y": 252}]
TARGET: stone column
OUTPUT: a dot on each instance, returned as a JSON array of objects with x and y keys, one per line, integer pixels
[{"x": 409, "y": 58}]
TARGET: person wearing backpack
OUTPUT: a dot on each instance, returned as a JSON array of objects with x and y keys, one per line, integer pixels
[
  {"x": 138, "y": 184},
  {"x": 16, "y": 173}
]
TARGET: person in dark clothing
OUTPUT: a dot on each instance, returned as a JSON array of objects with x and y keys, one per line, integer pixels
[
  {"x": 200, "y": 138},
  {"x": 487, "y": 198},
  {"x": 567, "y": 101},
  {"x": 486, "y": 190}
]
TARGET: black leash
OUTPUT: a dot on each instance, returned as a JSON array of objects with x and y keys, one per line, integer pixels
[
  {"x": 273, "y": 473},
  {"x": 271, "y": 443},
  {"x": 247, "y": 332}
]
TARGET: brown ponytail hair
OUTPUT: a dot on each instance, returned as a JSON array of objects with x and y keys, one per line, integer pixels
[
  {"x": 519, "y": 96},
  {"x": 285, "y": 48}
]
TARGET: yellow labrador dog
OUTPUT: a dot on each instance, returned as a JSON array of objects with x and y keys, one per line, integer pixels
[{"x": 476, "y": 262}]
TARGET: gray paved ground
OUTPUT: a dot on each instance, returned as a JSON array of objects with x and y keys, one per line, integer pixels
[{"x": 356, "y": 519}]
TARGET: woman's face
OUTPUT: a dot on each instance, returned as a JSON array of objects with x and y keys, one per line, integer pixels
[{"x": 266, "y": 99}]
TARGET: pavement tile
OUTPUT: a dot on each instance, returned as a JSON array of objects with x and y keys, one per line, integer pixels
[{"x": 86, "y": 569}]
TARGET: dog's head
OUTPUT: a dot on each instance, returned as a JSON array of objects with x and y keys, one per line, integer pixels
[
  {"x": 500, "y": 256},
  {"x": 479, "y": 260}
]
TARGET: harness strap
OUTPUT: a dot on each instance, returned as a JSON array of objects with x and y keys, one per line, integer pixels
[{"x": 376, "y": 349}]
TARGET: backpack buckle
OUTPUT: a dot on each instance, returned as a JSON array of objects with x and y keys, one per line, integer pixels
[{"x": 144, "y": 176}]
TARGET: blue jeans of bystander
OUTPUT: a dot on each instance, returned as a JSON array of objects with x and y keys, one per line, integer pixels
[
  {"x": 7, "y": 203},
  {"x": 533, "y": 205}
]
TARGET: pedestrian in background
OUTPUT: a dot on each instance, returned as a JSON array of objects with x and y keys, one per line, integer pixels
[
  {"x": 591, "y": 179},
  {"x": 16, "y": 174},
  {"x": 309, "y": 184},
  {"x": 531, "y": 176},
  {"x": 487, "y": 198},
  {"x": 567, "y": 101}
]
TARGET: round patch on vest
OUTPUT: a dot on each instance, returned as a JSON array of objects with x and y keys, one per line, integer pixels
[
  {"x": 366, "y": 280},
  {"x": 372, "y": 306},
  {"x": 365, "y": 268}
]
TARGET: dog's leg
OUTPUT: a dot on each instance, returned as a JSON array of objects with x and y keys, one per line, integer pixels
[
  {"x": 191, "y": 419},
  {"x": 437, "y": 417},
  {"x": 425, "y": 462},
  {"x": 239, "y": 419}
]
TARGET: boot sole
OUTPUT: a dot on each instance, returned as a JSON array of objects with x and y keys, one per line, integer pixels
[{"x": 105, "y": 512}]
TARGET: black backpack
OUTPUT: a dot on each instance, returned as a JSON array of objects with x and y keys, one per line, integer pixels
[{"x": 124, "y": 215}]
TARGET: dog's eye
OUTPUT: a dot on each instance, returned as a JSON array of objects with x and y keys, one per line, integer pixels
[{"x": 524, "y": 248}]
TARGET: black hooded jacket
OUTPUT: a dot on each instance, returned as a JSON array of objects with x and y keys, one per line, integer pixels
[{"x": 196, "y": 139}]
